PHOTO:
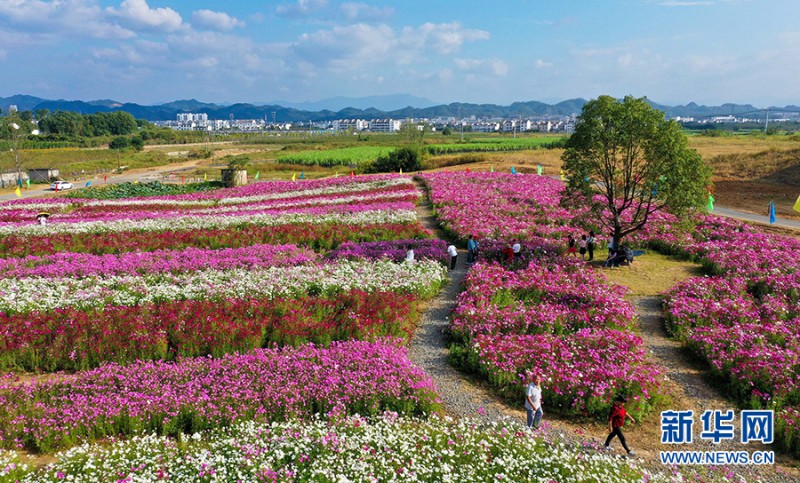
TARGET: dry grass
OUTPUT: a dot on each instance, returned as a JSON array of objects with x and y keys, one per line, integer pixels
[{"x": 650, "y": 274}]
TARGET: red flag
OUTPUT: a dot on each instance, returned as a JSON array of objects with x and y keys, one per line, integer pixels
[
  {"x": 467, "y": 170},
  {"x": 57, "y": 187},
  {"x": 352, "y": 174},
  {"x": 105, "y": 178},
  {"x": 183, "y": 178}
]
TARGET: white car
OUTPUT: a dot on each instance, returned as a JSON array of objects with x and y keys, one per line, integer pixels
[{"x": 61, "y": 185}]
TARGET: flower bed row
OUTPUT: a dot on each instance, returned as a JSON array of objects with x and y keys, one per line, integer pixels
[
  {"x": 744, "y": 320},
  {"x": 31, "y": 294},
  {"x": 72, "y": 339},
  {"x": 66, "y": 264},
  {"x": 399, "y": 212},
  {"x": 314, "y": 235},
  {"x": 202, "y": 393},
  {"x": 252, "y": 193},
  {"x": 134, "y": 210},
  {"x": 385, "y": 449},
  {"x": 431, "y": 249},
  {"x": 558, "y": 319}
]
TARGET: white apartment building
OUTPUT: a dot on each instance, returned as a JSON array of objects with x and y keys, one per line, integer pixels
[
  {"x": 346, "y": 124},
  {"x": 384, "y": 125},
  {"x": 199, "y": 118},
  {"x": 485, "y": 127}
]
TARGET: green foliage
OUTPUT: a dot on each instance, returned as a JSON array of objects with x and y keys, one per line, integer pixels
[
  {"x": 407, "y": 159},
  {"x": 638, "y": 161},
  {"x": 120, "y": 142},
  {"x": 497, "y": 145},
  {"x": 118, "y": 123},
  {"x": 137, "y": 143},
  {"x": 236, "y": 162},
  {"x": 352, "y": 157},
  {"x": 153, "y": 188},
  {"x": 447, "y": 131}
]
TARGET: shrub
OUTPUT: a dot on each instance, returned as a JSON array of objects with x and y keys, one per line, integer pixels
[{"x": 407, "y": 159}]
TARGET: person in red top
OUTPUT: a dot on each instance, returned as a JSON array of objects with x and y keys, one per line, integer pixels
[
  {"x": 508, "y": 252},
  {"x": 616, "y": 420}
]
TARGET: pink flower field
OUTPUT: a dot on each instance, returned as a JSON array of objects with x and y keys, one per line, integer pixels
[
  {"x": 744, "y": 320},
  {"x": 269, "y": 302}
]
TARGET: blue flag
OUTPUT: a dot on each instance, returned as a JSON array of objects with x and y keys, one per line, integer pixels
[
  {"x": 88, "y": 183},
  {"x": 302, "y": 175},
  {"x": 513, "y": 171},
  {"x": 771, "y": 212}
]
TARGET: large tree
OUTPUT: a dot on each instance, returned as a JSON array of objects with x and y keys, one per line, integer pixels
[{"x": 627, "y": 161}]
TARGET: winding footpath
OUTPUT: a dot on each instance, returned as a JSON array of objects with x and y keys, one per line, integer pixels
[{"x": 463, "y": 396}]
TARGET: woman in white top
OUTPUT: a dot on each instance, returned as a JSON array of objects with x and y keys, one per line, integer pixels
[
  {"x": 409, "y": 254},
  {"x": 453, "y": 252}
]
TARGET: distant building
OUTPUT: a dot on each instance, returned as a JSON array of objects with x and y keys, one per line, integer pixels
[
  {"x": 384, "y": 125},
  {"x": 342, "y": 125},
  {"x": 193, "y": 117}
]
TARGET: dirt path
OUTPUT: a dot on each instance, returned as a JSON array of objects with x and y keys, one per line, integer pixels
[{"x": 464, "y": 396}]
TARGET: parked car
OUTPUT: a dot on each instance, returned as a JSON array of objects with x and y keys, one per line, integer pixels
[{"x": 61, "y": 185}]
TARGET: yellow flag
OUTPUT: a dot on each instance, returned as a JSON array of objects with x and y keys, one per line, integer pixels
[
  {"x": 797, "y": 204},
  {"x": 205, "y": 176},
  {"x": 563, "y": 178},
  {"x": 18, "y": 192},
  {"x": 294, "y": 176},
  {"x": 401, "y": 170},
  {"x": 136, "y": 181}
]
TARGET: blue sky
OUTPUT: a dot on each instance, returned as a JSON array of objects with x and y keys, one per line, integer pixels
[{"x": 151, "y": 51}]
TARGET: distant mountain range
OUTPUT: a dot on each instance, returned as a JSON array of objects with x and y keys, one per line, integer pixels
[{"x": 363, "y": 108}]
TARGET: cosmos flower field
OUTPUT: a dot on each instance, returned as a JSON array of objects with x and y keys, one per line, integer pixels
[{"x": 260, "y": 333}]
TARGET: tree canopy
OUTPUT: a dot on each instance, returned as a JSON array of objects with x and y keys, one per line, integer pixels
[
  {"x": 626, "y": 162},
  {"x": 117, "y": 123}
]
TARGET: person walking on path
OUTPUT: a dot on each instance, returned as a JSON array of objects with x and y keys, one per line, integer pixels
[
  {"x": 616, "y": 420},
  {"x": 453, "y": 252},
  {"x": 472, "y": 249},
  {"x": 590, "y": 246},
  {"x": 533, "y": 402}
]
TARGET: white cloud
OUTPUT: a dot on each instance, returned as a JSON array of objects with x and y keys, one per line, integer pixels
[
  {"x": 303, "y": 8},
  {"x": 495, "y": 67},
  {"x": 365, "y": 44},
  {"x": 139, "y": 13},
  {"x": 215, "y": 20},
  {"x": 446, "y": 38},
  {"x": 357, "y": 12},
  {"x": 48, "y": 20},
  {"x": 542, "y": 64}
]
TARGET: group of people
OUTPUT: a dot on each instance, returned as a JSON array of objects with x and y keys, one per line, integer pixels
[
  {"x": 584, "y": 246},
  {"x": 512, "y": 251},
  {"x": 616, "y": 417},
  {"x": 472, "y": 252}
]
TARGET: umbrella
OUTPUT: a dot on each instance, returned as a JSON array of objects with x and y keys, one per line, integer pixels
[{"x": 43, "y": 214}]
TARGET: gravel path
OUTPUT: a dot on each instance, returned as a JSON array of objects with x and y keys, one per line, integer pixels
[{"x": 460, "y": 396}]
